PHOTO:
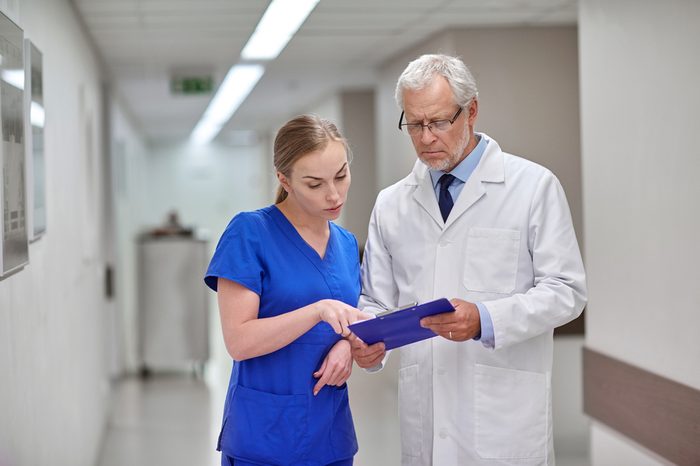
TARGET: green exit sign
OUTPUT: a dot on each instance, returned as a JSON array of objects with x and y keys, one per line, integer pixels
[{"x": 192, "y": 85}]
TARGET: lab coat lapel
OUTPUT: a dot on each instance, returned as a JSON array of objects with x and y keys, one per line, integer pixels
[
  {"x": 424, "y": 193},
  {"x": 489, "y": 170}
]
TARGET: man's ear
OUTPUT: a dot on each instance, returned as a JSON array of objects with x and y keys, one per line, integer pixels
[{"x": 472, "y": 111}]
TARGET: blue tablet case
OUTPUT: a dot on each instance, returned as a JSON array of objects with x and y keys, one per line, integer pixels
[{"x": 402, "y": 327}]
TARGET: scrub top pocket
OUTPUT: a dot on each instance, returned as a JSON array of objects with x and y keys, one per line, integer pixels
[{"x": 274, "y": 427}]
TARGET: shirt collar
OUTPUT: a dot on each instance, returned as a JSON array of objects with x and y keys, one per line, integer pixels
[{"x": 466, "y": 167}]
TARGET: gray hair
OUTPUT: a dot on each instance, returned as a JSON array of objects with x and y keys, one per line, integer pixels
[{"x": 421, "y": 72}]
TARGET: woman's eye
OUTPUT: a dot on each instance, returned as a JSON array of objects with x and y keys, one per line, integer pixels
[
  {"x": 314, "y": 186},
  {"x": 340, "y": 177}
]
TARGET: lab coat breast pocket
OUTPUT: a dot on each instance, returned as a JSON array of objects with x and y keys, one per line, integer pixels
[
  {"x": 511, "y": 413},
  {"x": 264, "y": 427},
  {"x": 491, "y": 260}
]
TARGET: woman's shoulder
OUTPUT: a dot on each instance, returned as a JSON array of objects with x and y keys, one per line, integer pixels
[
  {"x": 253, "y": 221},
  {"x": 344, "y": 234}
]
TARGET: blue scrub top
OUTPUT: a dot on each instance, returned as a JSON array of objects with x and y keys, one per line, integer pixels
[{"x": 271, "y": 415}]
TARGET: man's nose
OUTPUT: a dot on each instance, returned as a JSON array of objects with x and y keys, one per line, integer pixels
[{"x": 426, "y": 136}]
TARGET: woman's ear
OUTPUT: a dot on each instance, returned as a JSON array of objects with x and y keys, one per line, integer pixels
[{"x": 284, "y": 182}]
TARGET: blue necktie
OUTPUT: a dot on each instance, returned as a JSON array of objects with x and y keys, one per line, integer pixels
[{"x": 445, "y": 199}]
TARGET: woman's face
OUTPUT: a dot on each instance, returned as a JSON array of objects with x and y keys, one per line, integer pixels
[{"x": 319, "y": 181}]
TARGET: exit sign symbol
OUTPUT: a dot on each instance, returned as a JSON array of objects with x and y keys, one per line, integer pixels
[{"x": 192, "y": 85}]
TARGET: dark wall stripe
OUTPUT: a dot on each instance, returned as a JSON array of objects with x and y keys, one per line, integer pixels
[{"x": 658, "y": 413}]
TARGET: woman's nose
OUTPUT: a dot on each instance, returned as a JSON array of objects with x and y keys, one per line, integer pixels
[{"x": 333, "y": 193}]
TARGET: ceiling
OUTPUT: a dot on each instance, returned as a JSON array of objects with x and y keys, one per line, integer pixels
[{"x": 144, "y": 42}]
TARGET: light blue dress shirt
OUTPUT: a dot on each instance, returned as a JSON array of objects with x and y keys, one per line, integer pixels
[{"x": 462, "y": 172}]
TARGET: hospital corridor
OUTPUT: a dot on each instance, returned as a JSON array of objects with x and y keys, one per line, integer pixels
[{"x": 205, "y": 202}]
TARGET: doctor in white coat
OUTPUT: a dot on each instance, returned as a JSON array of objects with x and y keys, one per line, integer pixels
[{"x": 497, "y": 238}]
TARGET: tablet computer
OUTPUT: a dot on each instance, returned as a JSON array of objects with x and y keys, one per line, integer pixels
[{"x": 400, "y": 327}]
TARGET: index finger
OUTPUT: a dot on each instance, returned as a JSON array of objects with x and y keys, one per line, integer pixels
[{"x": 322, "y": 381}]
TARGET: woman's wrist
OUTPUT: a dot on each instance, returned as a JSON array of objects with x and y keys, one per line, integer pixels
[{"x": 316, "y": 311}]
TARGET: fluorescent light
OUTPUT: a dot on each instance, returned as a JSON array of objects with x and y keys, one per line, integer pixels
[
  {"x": 280, "y": 22},
  {"x": 239, "y": 81}
]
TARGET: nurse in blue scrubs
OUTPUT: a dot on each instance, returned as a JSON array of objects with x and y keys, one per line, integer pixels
[{"x": 288, "y": 281}]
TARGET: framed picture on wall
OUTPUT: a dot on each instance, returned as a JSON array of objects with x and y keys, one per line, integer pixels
[
  {"x": 34, "y": 142},
  {"x": 14, "y": 250}
]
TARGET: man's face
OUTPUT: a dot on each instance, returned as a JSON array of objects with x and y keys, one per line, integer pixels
[{"x": 440, "y": 150}]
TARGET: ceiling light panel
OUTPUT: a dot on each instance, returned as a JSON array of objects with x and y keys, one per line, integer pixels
[{"x": 280, "y": 22}]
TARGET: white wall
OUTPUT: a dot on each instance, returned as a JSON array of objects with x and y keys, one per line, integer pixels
[
  {"x": 206, "y": 185},
  {"x": 53, "y": 320},
  {"x": 358, "y": 126},
  {"x": 129, "y": 180},
  {"x": 640, "y": 136}
]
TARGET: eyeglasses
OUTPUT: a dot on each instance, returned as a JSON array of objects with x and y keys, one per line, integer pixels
[{"x": 437, "y": 126}]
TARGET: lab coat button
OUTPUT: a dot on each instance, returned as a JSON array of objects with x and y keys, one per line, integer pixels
[
  {"x": 443, "y": 433},
  {"x": 443, "y": 244}
]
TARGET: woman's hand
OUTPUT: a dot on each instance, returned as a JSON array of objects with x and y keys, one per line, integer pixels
[
  {"x": 339, "y": 315},
  {"x": 336, "y": 367}
]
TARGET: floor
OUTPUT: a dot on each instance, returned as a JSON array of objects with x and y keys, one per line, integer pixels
[
  {"x": 162, "y": 420},
  {"x": 173, "y": 418}
]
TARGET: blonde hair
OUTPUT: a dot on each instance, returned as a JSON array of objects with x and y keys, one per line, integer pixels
[{"x": 298, "y": 137}]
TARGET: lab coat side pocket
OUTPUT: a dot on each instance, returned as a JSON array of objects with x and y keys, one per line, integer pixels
[
  {"x": 491, "y": 260},
  {"x": 511, "y": 413},
  {"x": 409, "y": 412},
  {"x": 264, "y": 427}
]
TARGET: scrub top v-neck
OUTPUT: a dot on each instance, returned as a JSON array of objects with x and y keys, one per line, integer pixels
[{"x": 271, "y": 415}]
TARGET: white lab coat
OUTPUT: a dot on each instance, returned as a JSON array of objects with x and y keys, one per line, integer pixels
[{"x": 509, "y": 243}]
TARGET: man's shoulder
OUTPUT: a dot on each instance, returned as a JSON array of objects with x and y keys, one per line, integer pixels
[
  {"x": 405, "y": 186},
  {"x": 397, "y": 191},
  {"x": 517, "y": 163}
]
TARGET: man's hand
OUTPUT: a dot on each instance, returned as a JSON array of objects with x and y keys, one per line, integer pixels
[
  {"x": 366, "y": 356},
  {"x": 461, "y": 325}
]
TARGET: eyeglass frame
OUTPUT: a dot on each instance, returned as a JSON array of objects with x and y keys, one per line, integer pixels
[{"x": 452, "y": 120}]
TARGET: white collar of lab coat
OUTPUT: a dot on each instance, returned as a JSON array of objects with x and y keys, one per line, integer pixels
[{"x": 489, "y": 170}]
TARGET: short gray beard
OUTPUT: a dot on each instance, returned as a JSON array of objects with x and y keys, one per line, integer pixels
[{"x": 452, "y": 161}]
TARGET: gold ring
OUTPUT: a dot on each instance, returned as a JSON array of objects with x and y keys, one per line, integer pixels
[{"x": 450, "y": 335}]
